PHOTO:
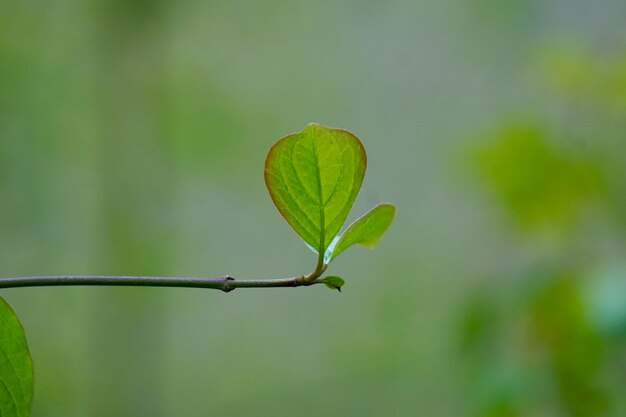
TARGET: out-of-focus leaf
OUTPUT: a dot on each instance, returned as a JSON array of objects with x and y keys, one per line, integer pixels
[
  {"x": 540, "y": 184},
  {"x": 313, "y": 178},
  {"x": 567, "y": 67},
  {"x": 366, "y": 231},
  {"x": 16, "y": 368},
  {"x": 572, "y": 346},
  {"x": 333, "y": 282}
]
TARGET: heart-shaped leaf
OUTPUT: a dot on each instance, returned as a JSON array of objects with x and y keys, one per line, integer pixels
[
  {"x": 16, "y": 367},
  {"x": 365, "y": 231},
  {"x": 313, "y": 178}
]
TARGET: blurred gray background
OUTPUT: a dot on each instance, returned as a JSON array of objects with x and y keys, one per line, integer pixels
[{"x": 132, "y": 141}]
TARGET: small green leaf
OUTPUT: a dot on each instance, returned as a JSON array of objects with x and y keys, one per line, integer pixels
[
  {"x": 333, "y": 282},
  {"x": 16, "y": 367},
  {"x": 313, "y": 178},
  {"x": 365, "y": 231}
]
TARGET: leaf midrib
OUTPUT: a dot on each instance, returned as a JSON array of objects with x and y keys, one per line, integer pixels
[{"x": 322, "y": 205}]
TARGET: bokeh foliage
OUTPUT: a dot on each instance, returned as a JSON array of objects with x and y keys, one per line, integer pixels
[{"x": 567, "y": 310}]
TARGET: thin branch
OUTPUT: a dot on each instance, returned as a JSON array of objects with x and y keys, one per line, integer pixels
[{"x": 225, "y": 283}]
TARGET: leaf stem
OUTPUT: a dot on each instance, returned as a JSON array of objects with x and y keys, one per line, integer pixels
[{"x": 225, "y": 283}]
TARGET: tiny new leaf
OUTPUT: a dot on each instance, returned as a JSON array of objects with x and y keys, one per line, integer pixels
[
  {"x": 16, "y": 368},
  {"x": 313, "y": 178},
  {"x": 333, "y": 282},
  {"x": 365, "y": 231}
]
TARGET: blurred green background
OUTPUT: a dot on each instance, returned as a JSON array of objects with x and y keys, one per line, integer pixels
[{"x": 132, "y": 141}]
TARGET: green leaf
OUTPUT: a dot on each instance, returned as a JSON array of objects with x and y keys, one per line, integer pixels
[
  {"x": 541, "y": 185},
  {"x": 313, "y": 178},
  {"x": 16, "y": 367},
  {"x": 333, "y": 282},
  {"x": 365, "y": 231}
]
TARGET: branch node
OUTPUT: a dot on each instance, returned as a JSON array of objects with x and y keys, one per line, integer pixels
[{"x": 225, "y": 286}]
